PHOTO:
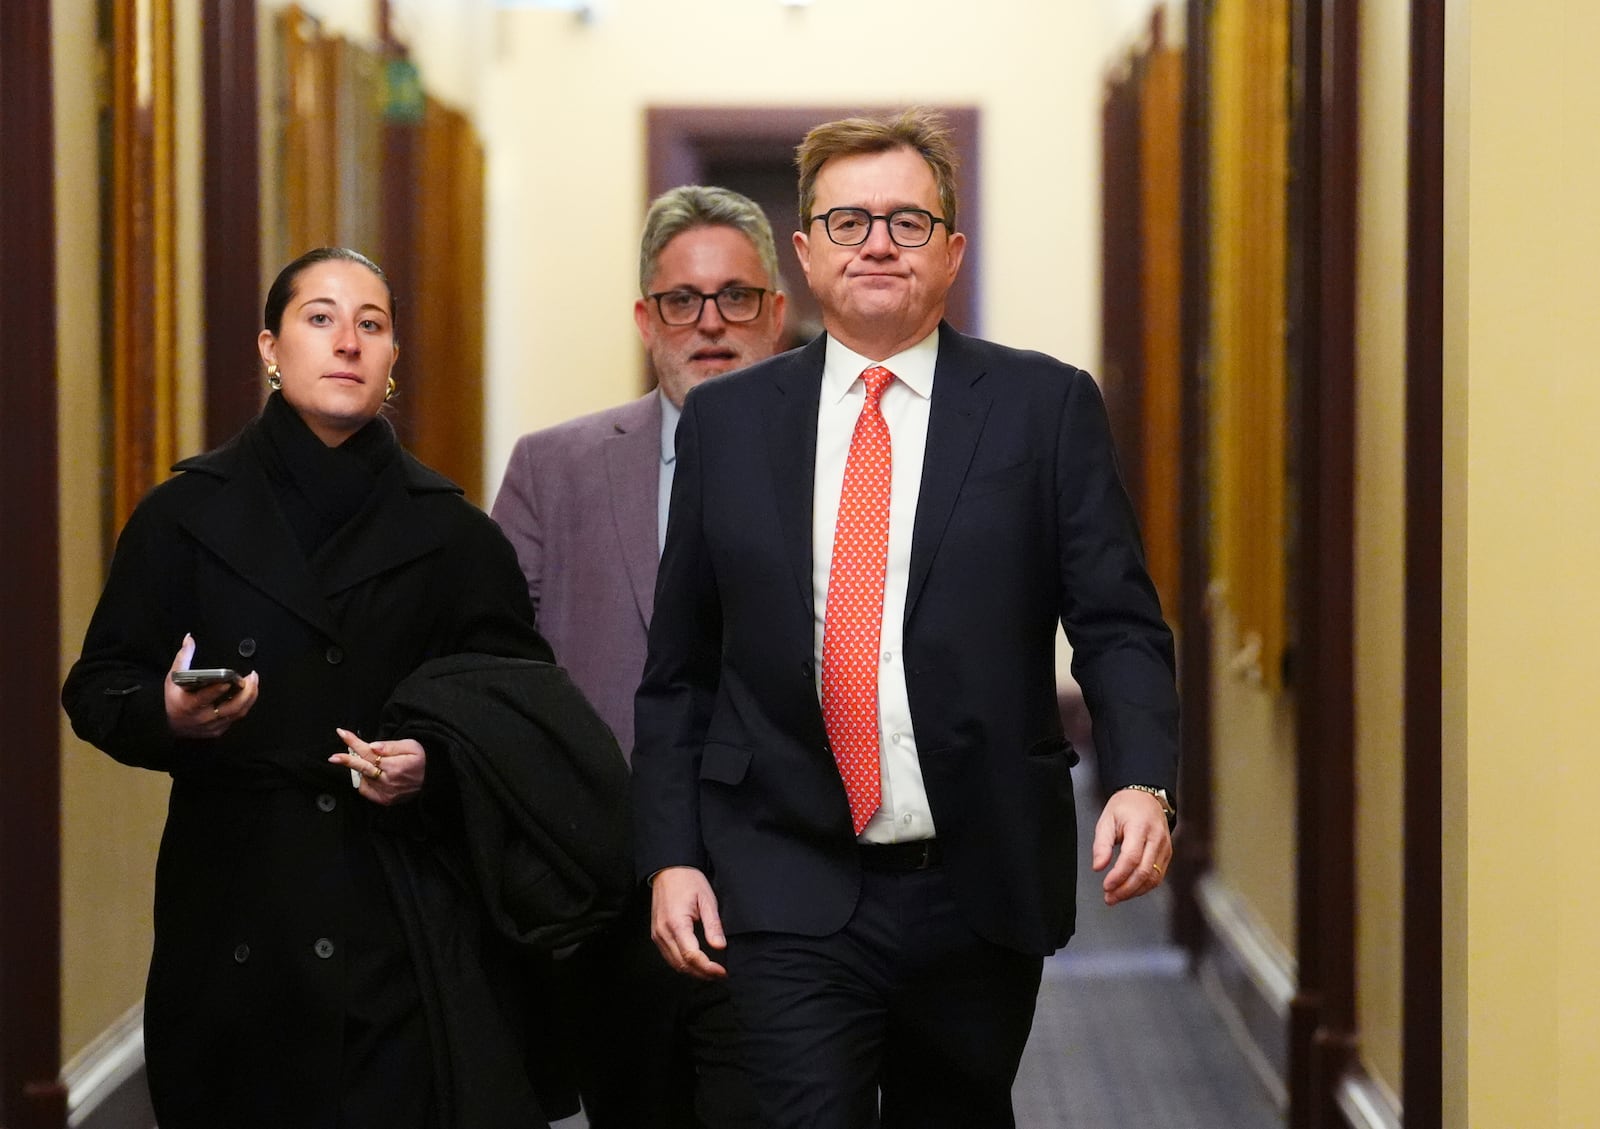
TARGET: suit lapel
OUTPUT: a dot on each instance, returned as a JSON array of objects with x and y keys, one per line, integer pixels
[
  {"x": 633, "y": 471},
  {"x": 791, "y": 431},
  {"x": 956, "y": 416}
]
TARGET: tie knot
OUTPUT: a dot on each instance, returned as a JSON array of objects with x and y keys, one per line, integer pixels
[{"x": 877, "y": 378}]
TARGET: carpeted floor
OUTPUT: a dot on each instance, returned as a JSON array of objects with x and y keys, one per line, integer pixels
[{"x": 1123, "y": 1035}]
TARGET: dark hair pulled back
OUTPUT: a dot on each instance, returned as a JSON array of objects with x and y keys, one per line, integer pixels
[{"x": 283, "y": 287}]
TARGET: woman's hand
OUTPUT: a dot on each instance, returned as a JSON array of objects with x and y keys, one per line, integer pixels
[
  {"x": 207, "y": 711},
  {"x": 385, "y": 772}
]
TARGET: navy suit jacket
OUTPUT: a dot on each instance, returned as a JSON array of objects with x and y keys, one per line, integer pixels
[{"x": 1021, "y": 522}]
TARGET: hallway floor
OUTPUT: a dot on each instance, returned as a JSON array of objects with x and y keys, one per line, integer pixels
[{"x": 1123, "y": 1035}]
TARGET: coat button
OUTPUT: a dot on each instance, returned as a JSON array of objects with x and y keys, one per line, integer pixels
[
  {"x": 241, "y": 954},
  {"x": 325, "y": 802},
  {"x": 323, "y": 948},
  {"x": 334, "y": 656},
  {"x": 247, "y": 647}
]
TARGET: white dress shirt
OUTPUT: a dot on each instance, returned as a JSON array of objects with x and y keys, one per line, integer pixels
[
  {"x": 670, "y": 414},
  {"x": 904, "y": 813}
]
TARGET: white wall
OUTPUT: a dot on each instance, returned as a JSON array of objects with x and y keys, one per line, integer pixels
[{"x": 564, "y": 117}]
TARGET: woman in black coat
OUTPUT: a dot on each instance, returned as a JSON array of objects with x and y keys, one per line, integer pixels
[{"x": 322, "y": 562}]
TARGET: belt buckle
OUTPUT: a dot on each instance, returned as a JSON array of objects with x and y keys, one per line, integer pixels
[{"x": 925, "y": 859}]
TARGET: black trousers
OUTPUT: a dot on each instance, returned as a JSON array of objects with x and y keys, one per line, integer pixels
[
  {"x": 904, "y": 1015},
  {"x": 650, "y": 1048}
]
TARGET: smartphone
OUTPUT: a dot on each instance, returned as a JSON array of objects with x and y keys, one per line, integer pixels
[{"x": 209, "y": 676}]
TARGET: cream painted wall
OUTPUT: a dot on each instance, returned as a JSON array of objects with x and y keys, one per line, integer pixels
[
  {"x": 1523, "y": 364},
  {"x": 1380, "y": 536},
  {"x": 1253, "y": 787},
  {"x": 564, "y": 118},
  {"x": 1127, "y": 22}
]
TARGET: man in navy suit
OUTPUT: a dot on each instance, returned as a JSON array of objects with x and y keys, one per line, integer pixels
[
  {"x": 882, "y": 929},
  {"x": 584, "y": 503}
]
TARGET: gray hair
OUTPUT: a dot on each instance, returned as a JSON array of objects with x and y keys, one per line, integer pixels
[{"x": 695, "y": 205}]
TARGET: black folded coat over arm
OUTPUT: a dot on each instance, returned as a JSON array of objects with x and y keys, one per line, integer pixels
[
  {"x": 525, "y": 820},
  {"x": 542, "y": 788}
]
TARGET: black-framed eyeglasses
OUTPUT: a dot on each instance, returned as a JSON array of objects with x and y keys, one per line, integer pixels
[
  {"x": 908, "y": 227},
  {"x": 735, "y": 304}
]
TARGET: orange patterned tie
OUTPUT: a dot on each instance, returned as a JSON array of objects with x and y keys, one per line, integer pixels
[{"x": 854, "y": 615}]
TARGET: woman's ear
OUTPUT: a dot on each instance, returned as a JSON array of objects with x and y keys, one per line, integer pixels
[{"x": 267, "y": 346}]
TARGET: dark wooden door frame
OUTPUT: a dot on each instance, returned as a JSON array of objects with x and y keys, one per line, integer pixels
[
  {"x": 1324, "y": 158},
  {"x": 232, "y": 221},
  {"x": 1192, "y": 847},
  {"x": 1422, "y": 1032},
  {"x": 1122, "y": 313},
  {"x": 31, "y": 1095},
  {"x": 681, "y": 139}
]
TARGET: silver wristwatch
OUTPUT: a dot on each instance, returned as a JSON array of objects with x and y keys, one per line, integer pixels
[{"x": 1161, "y": 797}]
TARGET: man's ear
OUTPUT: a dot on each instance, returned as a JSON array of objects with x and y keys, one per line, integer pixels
[
  {"x": 642, "y": 319},
  {"x": 780, "y": 305},
  {"x": 802, "y": 250},
  {"x": 955, "y": 251}
]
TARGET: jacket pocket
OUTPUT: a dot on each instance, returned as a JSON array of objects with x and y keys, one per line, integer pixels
[
  {"x": 725, "y": 764},
  {"x": 993, "y": 481},
  {"x": 1053, "y": 747}
]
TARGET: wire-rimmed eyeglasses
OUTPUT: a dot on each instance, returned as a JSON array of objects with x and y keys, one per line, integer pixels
[
  {"x": 908, "y": 227},
  {"x": 684, "y": 307}
]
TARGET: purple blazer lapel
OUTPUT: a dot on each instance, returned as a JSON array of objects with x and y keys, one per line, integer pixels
[{"x": 633, "y": 470}]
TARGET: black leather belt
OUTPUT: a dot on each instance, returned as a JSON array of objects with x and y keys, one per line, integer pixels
[{"x": 900, "y": 858}]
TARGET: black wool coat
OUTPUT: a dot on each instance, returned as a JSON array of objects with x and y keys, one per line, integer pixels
[{"x": 274, "y": 928}]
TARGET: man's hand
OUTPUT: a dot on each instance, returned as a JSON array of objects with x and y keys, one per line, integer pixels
[
  {"x": 679, "y": 897},
  {"x": 1135, "y": 820}
]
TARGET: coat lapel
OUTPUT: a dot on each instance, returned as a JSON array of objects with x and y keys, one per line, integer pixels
[
  {"x": 390, "y": 530},
  {"x": 791, "y": 423},
  {"x": 956, "y": 416},
  {"x": 242, "y": 525},
  {"x": 633, "y": 470}
]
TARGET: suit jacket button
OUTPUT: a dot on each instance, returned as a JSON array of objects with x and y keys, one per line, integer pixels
[
  {"x": 334, "y": 656},
  {"x": 326, "y": 802},
  {"x": 323, "y": 948},
  {"x": 247, "y": 647},
  {"x": 241, "y": 954}
]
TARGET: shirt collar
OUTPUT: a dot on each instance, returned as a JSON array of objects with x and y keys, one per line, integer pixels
[
  {"x": 670, "y": 414},
  {"x": 913, "y": 367}
]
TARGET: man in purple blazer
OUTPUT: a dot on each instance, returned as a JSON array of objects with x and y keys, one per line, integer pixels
[{"x": 585, "y": 505}]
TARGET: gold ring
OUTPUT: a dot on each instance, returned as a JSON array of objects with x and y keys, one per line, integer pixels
[
  {"x": 216, "y": 711},
  {"x": 378, "y": 775},
  {"x": 1156, "y": 866}
]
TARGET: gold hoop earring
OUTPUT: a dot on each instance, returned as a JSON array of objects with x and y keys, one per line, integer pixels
[
  {"x": 390, "y": 391},
  {"x": 274, "y": 381}
]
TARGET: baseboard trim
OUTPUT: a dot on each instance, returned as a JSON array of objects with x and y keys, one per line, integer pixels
[
  {"x": 105, "y": 1081},
  {"x": 1250, "y": 979},
  {"x": 1367, "y": 1103}
]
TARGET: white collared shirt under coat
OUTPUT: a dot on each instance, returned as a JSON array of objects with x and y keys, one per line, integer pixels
[{"x": 904, "y": 813}]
